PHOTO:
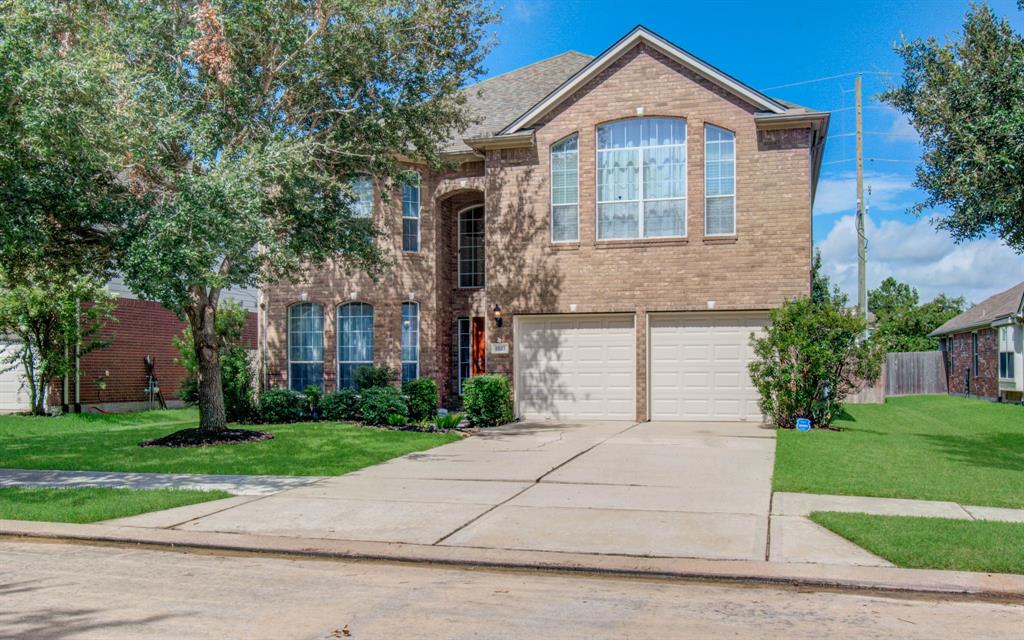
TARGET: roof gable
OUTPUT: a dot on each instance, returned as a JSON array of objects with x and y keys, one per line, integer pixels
[
  {"x": 1001, "y": 305},
  {"x": 639, "y": 35}
]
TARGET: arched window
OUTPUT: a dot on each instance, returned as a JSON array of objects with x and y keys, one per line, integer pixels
[
  {"x": 355, "y": 341},
  {"x": 362, "y": 188},
  {"x": 411, "y": 214},
  {"x": 641, "y": 178},
  {"x": 719, "y": 181},
  {"x": 305, "y": 346},
  {"x": 565, "y": 191},
  {"x": 410, "y": 341}
]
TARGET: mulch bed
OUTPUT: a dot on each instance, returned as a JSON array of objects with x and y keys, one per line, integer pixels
[{"x": 202, "y": 438}]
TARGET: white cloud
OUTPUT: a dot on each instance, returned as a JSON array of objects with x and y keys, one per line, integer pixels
[
  {"x": 901, "y": 130},
  {"x": 888, "y": 192},
  {"x": 917, "y": 254},
  {"x": 527, "y": 10}
]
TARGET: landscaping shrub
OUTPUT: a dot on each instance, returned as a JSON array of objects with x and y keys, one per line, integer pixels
[
  {"x": 421, "y": 395},
  {"x": 377, "y": 404},
  {"x": 445, "y": 423},
  {"x": 340, "y": 405},
  {"x": 236, "y": 380},
  {"x": 487, "y": 400},
  {"x": 810, "y": 358},
  {"x": 282, "y": 405},
  {"x": 369, "y": 377},
  {"x": 397, "y": 420},
  {"x": 313, "y": 395}
]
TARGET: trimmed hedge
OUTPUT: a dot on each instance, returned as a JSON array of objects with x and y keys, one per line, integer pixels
[
  {"x": 282, "y": 405},
  {"x": 378, "y": 404},
  {"x": 421, "y": 395},
  {"x": 340, "y": 405},
  {"x": 487, "y": 400},
  {"x": 369, "y": 377}
]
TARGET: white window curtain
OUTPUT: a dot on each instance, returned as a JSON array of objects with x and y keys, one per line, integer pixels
[
  {"x": 305, "y": 346},
  {"x": 719, "y": 182},
  {"x": 641, "y": 179},
  {"x": 362, "y": 189},
  {"x": 411, "y": 215},
  {"x": 410, "y": 341},
  {"x": 565, "y": 210},
  {"x": 355, "y": 341}
]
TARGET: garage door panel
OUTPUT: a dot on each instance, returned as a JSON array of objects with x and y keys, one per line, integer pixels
[
  {"x": 583, "y": 367},
  {"x": 699, "y": 366}
]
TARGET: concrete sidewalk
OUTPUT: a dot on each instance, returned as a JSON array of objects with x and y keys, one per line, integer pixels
[{"x": 236, "y": 484}]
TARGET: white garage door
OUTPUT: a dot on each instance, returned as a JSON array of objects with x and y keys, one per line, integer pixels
[
  {"x": 699, "y": 366},
  {"x": 13, "y": 396},
  {"x": 573, "y": 366}
]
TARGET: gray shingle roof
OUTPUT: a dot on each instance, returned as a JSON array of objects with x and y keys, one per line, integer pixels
[
  {"x": 505, "y": 97},
  {"x": 998, "y": 306}
]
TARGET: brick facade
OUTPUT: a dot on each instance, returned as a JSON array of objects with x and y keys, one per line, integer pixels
[
  {"x": 766, "y": 262},
  {"x": 983, "y": 381}
]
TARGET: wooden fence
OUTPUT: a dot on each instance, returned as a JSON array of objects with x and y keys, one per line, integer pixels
[{"x": 915, "y": 373}]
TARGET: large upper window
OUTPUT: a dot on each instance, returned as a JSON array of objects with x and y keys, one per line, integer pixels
[
  {"x": 1006, "y": 353},
  {"x": 362, "y": 188},
  {"x": 355, "y": 341},
  {"x": 305, "y": 346},
  {"x": 641, "y": 178},
  {"x": 471, "y": 247},
  {"x": 410, "y": 341},
  {"x": 565, "y": 209},
  {"x": 411, "y": 214},
  {"x": 719, "y": 182}
]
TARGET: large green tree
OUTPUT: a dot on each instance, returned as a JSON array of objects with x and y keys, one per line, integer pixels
[
  {"x": 966, "y": 100},
  {"x": 901, "y": 323},
  {"x": 237, "y": 127}
]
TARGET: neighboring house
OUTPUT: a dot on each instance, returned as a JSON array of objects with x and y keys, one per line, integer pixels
[
  {"x": 982, "y": 347},
  {"x": 615, "y": 230},
  {"x": 115, "y": 378}
]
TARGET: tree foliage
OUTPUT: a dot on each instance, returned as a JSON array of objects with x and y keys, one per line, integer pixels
[
  {"x": 810, "y": 358},
  {"x": 901, "y": 323},
  {"x": 822, "y": 290},
  {"x": 966, "y": 100}
]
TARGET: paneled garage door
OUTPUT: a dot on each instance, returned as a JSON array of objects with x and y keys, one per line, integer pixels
[
  {"x": 573, "y": 366},
  {"x": 699, "y": 366}
]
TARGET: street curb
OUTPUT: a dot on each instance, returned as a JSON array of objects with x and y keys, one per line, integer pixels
[{"x": 880, "y": 579}]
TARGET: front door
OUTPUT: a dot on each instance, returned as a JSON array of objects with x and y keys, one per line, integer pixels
[{"x": 479, "y": 364}]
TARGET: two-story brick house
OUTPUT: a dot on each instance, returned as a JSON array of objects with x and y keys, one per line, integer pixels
[{"x": 616, "y": 229}]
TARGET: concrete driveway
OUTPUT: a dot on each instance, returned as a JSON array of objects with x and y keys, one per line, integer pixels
[{"x": 649, "y": 489}]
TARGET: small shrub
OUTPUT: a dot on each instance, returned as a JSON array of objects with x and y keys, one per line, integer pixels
[
  {"x": 426, "y": 424},
  {"x": 282, "y": 405},
  {"x": 377, "y": 404},
  {"x": 421, "y": 394},
  {"x": 313, "y": 395},
  {"x": 236, "y": 380},
  {"x": 448, "y": 422},
  {"x": 340, "y": 405},
  {"x": 487, "y": 400},
  {"x": 397, "y": 420},
  {"x": 370, "y": 377}
]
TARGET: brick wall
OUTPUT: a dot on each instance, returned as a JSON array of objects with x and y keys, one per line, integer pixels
[{"x": 984, "y": 383}]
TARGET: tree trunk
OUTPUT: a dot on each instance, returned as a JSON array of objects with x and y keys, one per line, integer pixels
[{"x": 207, "y": 346}]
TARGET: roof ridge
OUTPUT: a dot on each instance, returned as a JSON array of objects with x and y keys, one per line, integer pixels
[{"x": 527, "y": 66}]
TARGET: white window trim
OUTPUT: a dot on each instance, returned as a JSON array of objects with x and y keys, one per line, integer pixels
[
  {"x": 338, "y": 333},
  {"x": 735, "y": 175},
  {"x": 1011, "y": 339},
  {"x": 288, "y": 320},
  {"x": 401, "y": 330},
  {"x": 551, "y": 189},
  {"x": 640, "y": 184},
  {"x": 469, "y": 333},
  {"x": 373, "y": 196},
  {"x": 418, "y": 218},
  {"x": 458, "y": 251}
]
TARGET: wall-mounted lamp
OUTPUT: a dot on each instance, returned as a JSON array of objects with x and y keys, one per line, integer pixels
[
  {"x": 498, "y": 321},
  {"x": 304, "y": 296}
]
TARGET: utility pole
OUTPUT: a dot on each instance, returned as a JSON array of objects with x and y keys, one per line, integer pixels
[{"x": 862, "y": 257}]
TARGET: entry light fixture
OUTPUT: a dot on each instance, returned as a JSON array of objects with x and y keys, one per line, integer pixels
[{"x": 498, "y": 321}]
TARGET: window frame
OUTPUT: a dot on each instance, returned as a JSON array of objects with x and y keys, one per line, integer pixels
[
  {"x": 735, "y": 173},
  {"x": 468, "y": 335},
  {"x": 1009, "y": 352},
  {"x": 551, "y": 188},
  {"x": 483, "y": 247},
  {"x": 401, "y": 340},
  {"x": 373, "y": 195},
  {"x": 417, "y": 184},
  {"x": 640, "y": 182},
  {"x": 339, "y": 334},
  {"x": 291, "y": 309}
]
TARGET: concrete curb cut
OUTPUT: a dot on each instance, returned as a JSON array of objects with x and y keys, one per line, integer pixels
[{"x": 910, "y": 581}]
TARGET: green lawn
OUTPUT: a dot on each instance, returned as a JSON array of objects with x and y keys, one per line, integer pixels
[
  {"x": 92, "y": 505},
  {"x": 924, "y": 447},
  {"x": 110, "y": 443},
  {"x": 933, "y": 543}
]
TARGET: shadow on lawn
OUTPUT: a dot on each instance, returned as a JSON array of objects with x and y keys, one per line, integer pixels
[{"x": 996, "y": 451}]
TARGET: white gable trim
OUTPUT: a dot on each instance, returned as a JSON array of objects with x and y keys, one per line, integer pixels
[{"x": 603, "y": 61}]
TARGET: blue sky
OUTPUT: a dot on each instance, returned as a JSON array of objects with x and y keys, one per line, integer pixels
[{"x": 770, "y": 44}]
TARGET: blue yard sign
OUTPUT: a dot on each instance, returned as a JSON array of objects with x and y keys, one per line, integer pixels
[{"x": 803, "y": 424}]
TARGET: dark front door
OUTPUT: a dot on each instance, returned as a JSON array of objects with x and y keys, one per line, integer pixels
[{"x": 478, "y": 364}]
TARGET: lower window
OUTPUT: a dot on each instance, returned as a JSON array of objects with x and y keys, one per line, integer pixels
[{"x": 410, "y": 341}]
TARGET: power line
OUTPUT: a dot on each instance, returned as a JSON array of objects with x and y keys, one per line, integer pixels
[
  {"x": 844, "y": 160},
  {"x": 835, "y": 77},
  {"x": 910, "y": 136}
]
